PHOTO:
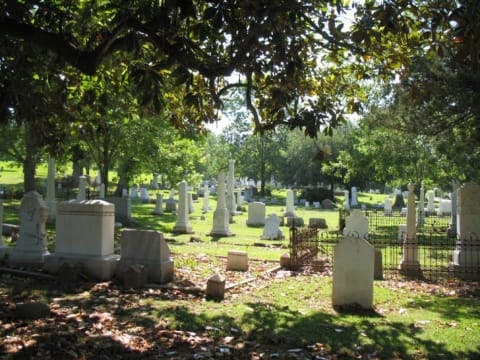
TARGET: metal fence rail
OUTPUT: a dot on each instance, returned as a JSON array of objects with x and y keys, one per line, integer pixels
[{"x": 439, "y": 255}]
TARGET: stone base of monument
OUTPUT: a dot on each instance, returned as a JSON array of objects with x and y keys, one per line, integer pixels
[
  {"x": 25, "y": 257},
  {"x": 411, "y": 269},
  {"x": 100, "y": 268}
]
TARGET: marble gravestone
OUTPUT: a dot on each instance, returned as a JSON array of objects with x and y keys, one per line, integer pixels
[
  {"x": 256, "y": 214},
  {"x": 31, "y": 246},
  {"x": 272, "y": 230},
  {"x": 85, "y": 235},
  {"x": 147, "y": 248}
]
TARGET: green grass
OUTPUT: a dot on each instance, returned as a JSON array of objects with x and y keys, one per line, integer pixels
[{"x": 409, "y": 321}]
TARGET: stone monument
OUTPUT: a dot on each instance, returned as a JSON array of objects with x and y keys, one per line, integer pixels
[
  {"x": 182, "y": 225},
  {"x": 221, "y": 215},
  {"x": 410, "y": 265},
  {"x": 31, "y": 246}
]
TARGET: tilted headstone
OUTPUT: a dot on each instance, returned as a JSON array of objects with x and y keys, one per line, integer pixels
[
  {"x": 85, "y": 235},
  {"x": 272, "y": 230},
  {"x": 31, "y": 245},
  {"x": 353, "y": 271},
  {"x": 256, "y": 214},
  {"x": 149, "y": 249}
]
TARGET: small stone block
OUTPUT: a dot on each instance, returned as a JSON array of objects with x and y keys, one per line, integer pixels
[
  {"x": 134, "y": 277},
  {"x": 215, "y": 287},
  {"x": 285, "y": 260},
  {"x": 237, "y": 260},
  {"x": 32, "y": 310}
]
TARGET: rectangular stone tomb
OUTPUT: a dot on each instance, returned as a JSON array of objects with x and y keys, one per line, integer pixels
[
  {"x": 147, "y": 248},
  {"x": 237, "y": 260},
  {"x": 85, "y": 235}
]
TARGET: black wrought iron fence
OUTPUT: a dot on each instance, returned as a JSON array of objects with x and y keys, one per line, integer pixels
[{"x": 439, "y": 255}]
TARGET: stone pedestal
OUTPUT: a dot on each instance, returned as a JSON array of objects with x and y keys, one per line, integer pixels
[
  {"x": 85, "y": 235},
  {"x": 31, "y": 246},
  {"x": 215, "y": 287},
  {"x": 149, "y": 249}
]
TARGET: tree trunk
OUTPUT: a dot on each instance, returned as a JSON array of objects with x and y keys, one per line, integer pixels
[
  {"x": 30, "y": 161},
  {"x": 77, "y": 165},
  {"x": 122, "y": 184}
]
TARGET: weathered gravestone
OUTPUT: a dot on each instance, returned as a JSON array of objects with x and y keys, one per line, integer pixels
[
  {"x": 431, "y": 202},
  {"x": 171, "y": 204},
  {"x": 387, "y": 207},
  {"x": 31, "y": 245},
  {"x": 356, "y": 225},
  {"x": 327, "y": 204},
  {"x": 318, "y": 223},
  {"x": 123, "y": 209},
  {"x": 149, "y": 249},
  {"x": 237, "y": 260},
  {"x": 158, "y": 205},
  {"x": 354, "y": 201},
  {"x": 215, "y": 287},
  {"x": 466, "y": 256},
  {"x": 272, "y": 230},
  {"x": 256, "y": 214},
  {"x": 353, "y": 270},
  {"x": 82, "y": 188},
  {"x": 85, "y": 235}
]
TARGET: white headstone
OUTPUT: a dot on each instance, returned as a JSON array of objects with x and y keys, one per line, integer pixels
[
  {"x": 82, "y": 188},
  {"x": 155, "y": 181},
  {"x": 356, "y": 225},
  {"x": 430, "y": 202},
  {"x": 354, "y": 201},
  {"x": 191, "y": 206},
  {"x": 346, "y": 201},
  {"x": 231, "y": 205},
  {"x": 466, "y": 256},
  {"x": 444, "y": 207},
  {"x": 206, "y": 200},
  {"x": 171, "y": 204},
  {"x": 410, "y": 265},
  {"x": 353, "y": 270},
  {"x": 101, "y": 193},
  {"x": 256, "y": 214},
  {"x": 147, "y": 248},
  {"x": 31, "y": 245},
  {"x": 272, "y": 231},
  {"x": 85, "y": 235},
  {"x": 159, "y": 205},
  {"x": 182, "y": 225},
  {"x": 387, "y": 206},
  {"x": 290, "y": 212},
  {"x": 421, "y": 206},
  {"x": 144, "y": 196},
  {"x": 134, "y": 192}
]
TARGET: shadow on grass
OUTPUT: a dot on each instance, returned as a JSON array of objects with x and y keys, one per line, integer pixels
[{"x": 105, "y": 322}]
